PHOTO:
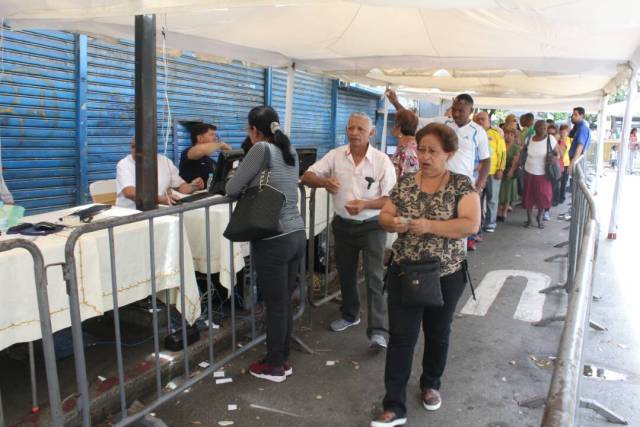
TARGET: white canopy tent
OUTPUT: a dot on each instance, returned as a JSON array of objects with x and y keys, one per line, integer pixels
[
  {"x": 515, "y": 54},
  {"x": 507, "y": 53}
]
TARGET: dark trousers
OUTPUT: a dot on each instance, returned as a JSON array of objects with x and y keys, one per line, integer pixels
[
  {"x": 351, "y": 239},
  {"x": 563, "y": 185},
  {"x": 277, "y": 263},
  {"x": 404, "y": 326}
]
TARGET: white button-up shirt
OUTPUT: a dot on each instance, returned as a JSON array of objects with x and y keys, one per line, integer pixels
[
  {"x": 354, "y": 185},
  {"x": 473, "y": 145},
  {"x": 168, "y": 177}
]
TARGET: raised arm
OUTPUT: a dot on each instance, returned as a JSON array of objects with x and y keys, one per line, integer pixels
[{"x": 201, "y": 150}]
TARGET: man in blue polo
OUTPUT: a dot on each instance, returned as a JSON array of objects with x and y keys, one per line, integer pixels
[
  {"x": 580, "y": 135},
  {"x": 581, "y": 139}
]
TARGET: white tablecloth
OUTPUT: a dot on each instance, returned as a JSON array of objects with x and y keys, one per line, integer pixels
[
  {"x": 19, "y": 320},
  {"x": 194, "y": 222}
]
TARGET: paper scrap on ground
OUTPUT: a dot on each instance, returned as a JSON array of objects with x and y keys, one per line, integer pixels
[
  {"x": 232, "y": 407},
  {"x": 225, "y": 423},
  {"x": 224, "y": 380},
  {"x": 218, "y": 374},
  {"x": 330, "y": 363},
  {"x": 203, "y": 365},
  {"x": 172, "y": 386},
  {"x": 277, "y": 411},
  {"x": 101, "y": 378}
]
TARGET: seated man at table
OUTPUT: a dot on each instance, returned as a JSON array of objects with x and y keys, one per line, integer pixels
[
  {"x": 196, "y": 161},
  {"x": 168, "y": 179}
]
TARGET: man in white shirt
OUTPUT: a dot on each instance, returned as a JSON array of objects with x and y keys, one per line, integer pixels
[
  {"x": 473, "y": 143},
  {"x": 168, "y": 179},
  {"x": 5, "y": 194},
  {"x": 359, "y": 177}
]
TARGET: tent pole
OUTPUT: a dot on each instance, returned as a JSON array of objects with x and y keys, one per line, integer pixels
[
  {"x": 383, "y": 141},
  {"x": 622, "y": 156},
  {"x": 146, "y": 113},
  {"x": 288, "y": 109},
  {"x": 600, "y": 147}
]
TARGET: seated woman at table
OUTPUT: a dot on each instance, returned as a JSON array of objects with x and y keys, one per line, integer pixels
[
  {"x": 5, "y": 194},
  {"x": 277, "y": 259},
  {"x": 168, "y": 179}
]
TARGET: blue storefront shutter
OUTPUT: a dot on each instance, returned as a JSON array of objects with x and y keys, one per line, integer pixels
[
  {"x": 38, "y": 119},
  {"x": 221, "y": 94},
  {"x": 312, "y": 116}
]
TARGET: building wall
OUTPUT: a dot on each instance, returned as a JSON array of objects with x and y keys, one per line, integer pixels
[{"x": 67, "y": 110}]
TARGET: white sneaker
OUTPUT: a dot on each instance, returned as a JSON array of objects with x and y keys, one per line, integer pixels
[
  {"x": 377, "y": 342},
  {"x": 342, "y": 324}
]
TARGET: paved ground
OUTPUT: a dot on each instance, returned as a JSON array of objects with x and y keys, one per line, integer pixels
[{"x": 495, "y": 360}]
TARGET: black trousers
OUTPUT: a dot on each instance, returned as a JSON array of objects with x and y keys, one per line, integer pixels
[
  {"x": 563, "y": 184},
  {"x": 277, "y": 263},
  {"x": 404, "y": 326}
]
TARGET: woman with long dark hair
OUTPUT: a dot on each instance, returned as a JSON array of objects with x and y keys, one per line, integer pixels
[{"x": 276, "y": 259}]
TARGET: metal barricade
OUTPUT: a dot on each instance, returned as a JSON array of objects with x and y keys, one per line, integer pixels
[
  {"x": 163, "y": 396},
  {"x": 57, "y": 417},
  {"x": 563, "y": 398},
  {"x": 325, "y": 295}
]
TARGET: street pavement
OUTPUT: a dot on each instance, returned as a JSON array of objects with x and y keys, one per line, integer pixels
[{"x": 496, "y": 360}]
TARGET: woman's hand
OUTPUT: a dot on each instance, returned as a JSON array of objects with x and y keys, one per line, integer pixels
[
  {"x": 399, "y": 224},
  {"x": 420, "y": 226}
]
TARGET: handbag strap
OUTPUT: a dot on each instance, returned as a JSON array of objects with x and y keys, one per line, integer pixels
[
  {"x": 548, "y": 144},
  {"x": 265, "y": 171}
]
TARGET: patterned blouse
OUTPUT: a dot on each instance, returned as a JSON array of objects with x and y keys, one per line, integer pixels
[
  {"x": 405, "y": 159},
  {"x": 411, "y": 202}
]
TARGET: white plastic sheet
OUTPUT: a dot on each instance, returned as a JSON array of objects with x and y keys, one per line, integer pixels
[{"x": 522, "y": 49}]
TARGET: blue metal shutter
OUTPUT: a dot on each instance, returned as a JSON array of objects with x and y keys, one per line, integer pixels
[
  {"x": 221, "y": 94},
  {"x": 37, "y": 119},
  {"x": 351, "y": 102},
  {"x": 311, "y": 119}
]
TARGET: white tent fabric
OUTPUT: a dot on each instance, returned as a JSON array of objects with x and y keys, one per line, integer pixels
[
  {"x": 618, "y": 109},
  {"x": 510, "y": 52}
]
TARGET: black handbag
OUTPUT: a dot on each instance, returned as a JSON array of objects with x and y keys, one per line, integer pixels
[
  {"x": 420, "y": 283},
  {"x": 551, "y": 166},
  {"x": 257, "y": 212}
]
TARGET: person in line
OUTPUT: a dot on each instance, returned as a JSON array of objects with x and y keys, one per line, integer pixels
[
  {"x": 473, "y": 144},
  {"x": 511, "y": 121},
  {"x": 552, "y": 130},
  {"x": 564, "y": 144},
  {"x": 168, "y": 180},
  {"x": 580, "y": 141},
  {"x": 442, "y": 208},
  {"x": 277, "y": 259},
  {"x": 359, "y": 177},
  {"x": 497, "y": 166},
  {"x": 613, "y": 157},
  {"x": 5, "y": 194},
  {"x": 526, "y": 123},
  {"x": 580, "y": 136},
  {"x": 509, "y": 184},
  {"x": 633, "y": 148},
  {"x": 405, "y": 159},
  {"x": 196, "y": 161},
  {"x": 538, "y": 190}
]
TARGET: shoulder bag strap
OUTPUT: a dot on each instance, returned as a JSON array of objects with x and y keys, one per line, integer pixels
[{"x": 265, "y": 172}]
